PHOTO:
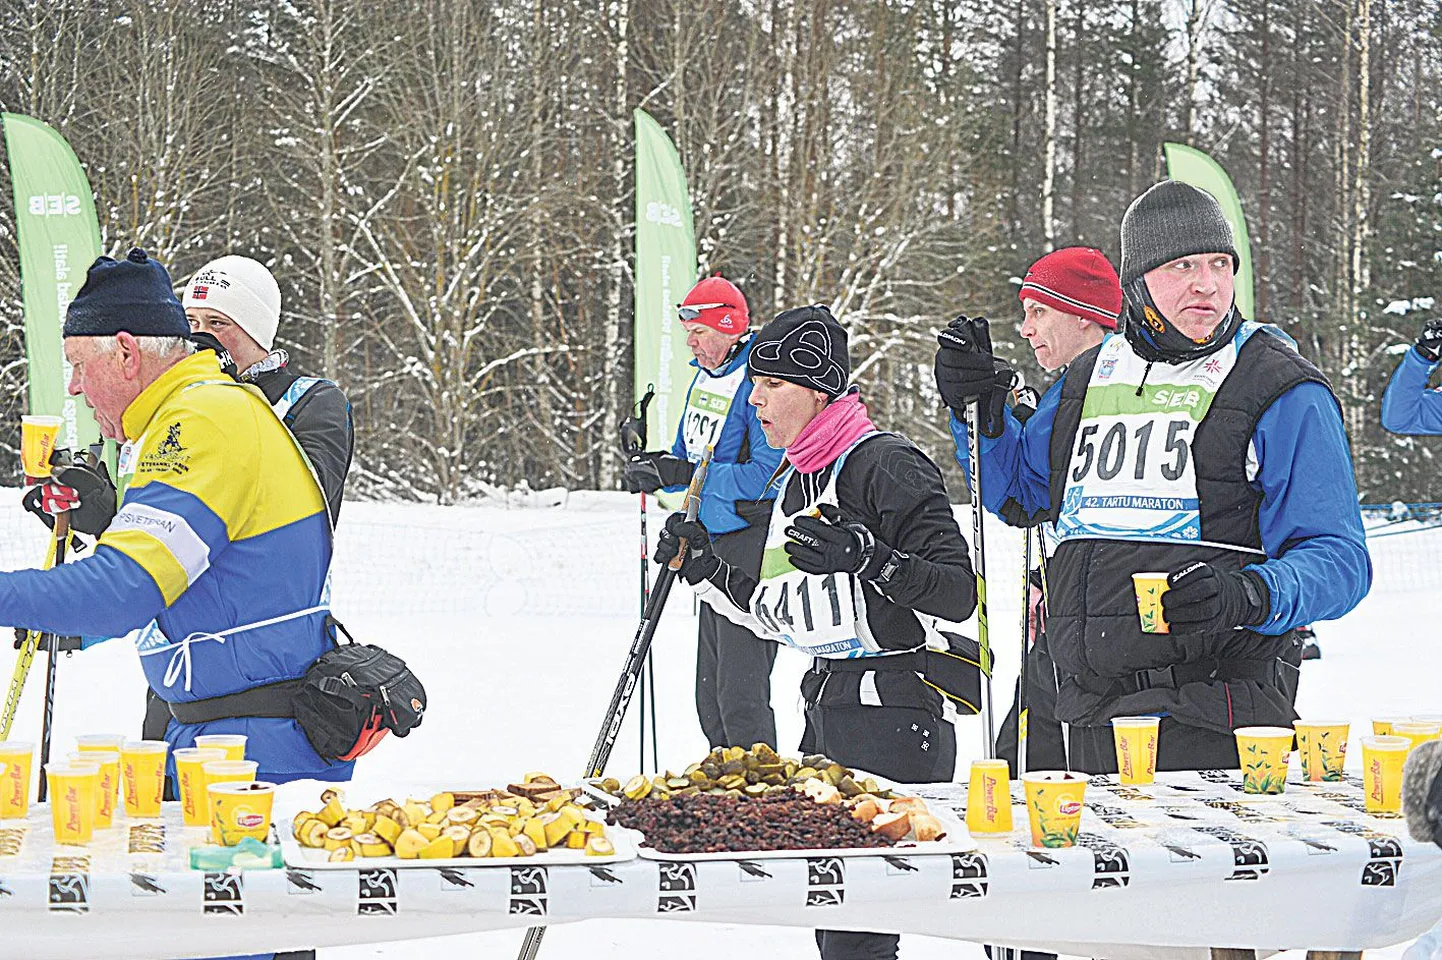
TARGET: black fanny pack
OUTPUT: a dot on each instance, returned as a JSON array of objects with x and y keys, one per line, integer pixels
[
  {"x": 346, "y": 703},
  {"x": 955, "y": 672}
]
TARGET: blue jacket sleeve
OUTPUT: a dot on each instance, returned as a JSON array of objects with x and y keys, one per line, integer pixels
[
  {"x": 105, "y": 595},
  {"x": 1408, "y": 407},
  {"x": 1311, "y": 526},
  {"x": 1016, "y": 465}
]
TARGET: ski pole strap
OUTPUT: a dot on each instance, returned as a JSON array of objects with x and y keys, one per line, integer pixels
[{"x": 274, "y": 700}]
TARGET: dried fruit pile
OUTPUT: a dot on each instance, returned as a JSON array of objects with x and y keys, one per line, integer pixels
[
  {"x": 718, "y": 824},
  {"x": 737, "y": 800},
  {"x": 520, "y": 821}
]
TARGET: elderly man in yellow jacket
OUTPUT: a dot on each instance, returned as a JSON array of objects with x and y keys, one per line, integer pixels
[{"x": 222, "y": 536}]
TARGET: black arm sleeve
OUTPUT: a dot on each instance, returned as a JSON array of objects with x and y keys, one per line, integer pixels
[
  {"x": 902, "y": 499},
  {"x": 322, "y": 426}
]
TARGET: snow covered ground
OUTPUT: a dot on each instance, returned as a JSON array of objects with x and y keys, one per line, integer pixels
[{"x": 517, "y": 619}]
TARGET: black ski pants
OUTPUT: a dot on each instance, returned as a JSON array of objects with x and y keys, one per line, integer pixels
[
  {"x": 903, "y": 744},
  {"x": 1044, "y": 747},
  {"x": 733, "y": 665}
]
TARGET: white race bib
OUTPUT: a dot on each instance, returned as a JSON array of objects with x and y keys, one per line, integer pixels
[
  {"x": 1131, "y": 475},
  {"x": 706, "y": 410},
  {"x": 820, "y": 614}
]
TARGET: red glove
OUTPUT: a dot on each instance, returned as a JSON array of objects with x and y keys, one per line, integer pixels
[{"x": 55, "y": 498}]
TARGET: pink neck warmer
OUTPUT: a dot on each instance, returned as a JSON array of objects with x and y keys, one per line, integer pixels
[{"x": 832, "y": 431}]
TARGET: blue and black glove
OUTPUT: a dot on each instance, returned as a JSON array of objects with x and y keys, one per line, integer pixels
[{"x": 1201, "y": 600}]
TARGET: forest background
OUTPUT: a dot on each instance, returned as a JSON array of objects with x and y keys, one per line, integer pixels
[{"x": 444, "y": 188}]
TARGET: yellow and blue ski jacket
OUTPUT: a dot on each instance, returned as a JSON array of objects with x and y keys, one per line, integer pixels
[{"x": 223, "y": 539}]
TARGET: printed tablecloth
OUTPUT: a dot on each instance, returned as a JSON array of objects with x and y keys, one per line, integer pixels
[{"x": 1189, "y": 862}]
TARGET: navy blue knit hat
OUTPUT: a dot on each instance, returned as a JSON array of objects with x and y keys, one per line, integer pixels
[{"x": 133, "y": 296}]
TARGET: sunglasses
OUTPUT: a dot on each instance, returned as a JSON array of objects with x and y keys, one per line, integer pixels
[{"x": 691, "y": 311}]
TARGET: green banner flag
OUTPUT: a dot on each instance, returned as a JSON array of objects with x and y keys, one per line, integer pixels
[
  {"x": 665, "y": 272},
  {"x": 1192, "y": 166},
  {"x": 59, "y": 238}
]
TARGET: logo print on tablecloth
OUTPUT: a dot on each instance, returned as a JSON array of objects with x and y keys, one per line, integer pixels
[
  {"x": 1111, "y": 866},
  {"x": 225, "y": 894},
  {"x": 70, "y": 885},
  {"x": 676, "y": 887},
  {"x": 1384, "y": 853},
  {"x": 145, "y": 885},
  {"x": 300, "y": 882},
  {"x": 376, "y": 893},
  {"x": 528, "y": 891},
  {"x": 825, "y": 881},
  {"x": 968, "y": 875},
  {"x": 1249, "y": 855}
]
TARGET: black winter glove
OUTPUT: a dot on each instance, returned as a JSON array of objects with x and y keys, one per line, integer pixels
[
  {"x": 1429, "y": 342},
  {"x": 1422, "y": 793},
  {"x": 208, "y": 341},
  {"x": 700, "y": 561},
  {"x": 91, "y": 486},
  {"x": 649, "y": 472},
  {"x": 831, "y": 544},
  {"x": 1201, "y": 600},
  {"x": 967, "y": 371}
]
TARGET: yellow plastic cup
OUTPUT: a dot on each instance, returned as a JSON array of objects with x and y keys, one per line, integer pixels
[
  {"x": 1264, "y": 752},
  {"x": 1382, "y": 761},
  {"x": 1136, "y": 743},
  {"x": 988, "y": 797},
  {"x": 232, "y": 744},
  {"x": 190, "y": 776},
  {"x": 15, "y": 783},
  {"x": 230, "y": 771},
  {"x": 103, "y": 742},
  {"x": 1149, "y": 588},
  {"x": 1322, "y": 746},
  {"x": 240, "y": 809},
  {"x": 1054, "y": 803},
  {"x": 72, "y": 801},
  {"x": 1382, "y": 726},
  {"x": 142, "y": 774},
  {"x": 38, "y": 435},
  {"x": 1418, "y": 732},
  {"x": 108, "y": 792}
]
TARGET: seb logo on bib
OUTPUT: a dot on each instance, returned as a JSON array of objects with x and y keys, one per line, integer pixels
[{"x": 1175, "y": 399}]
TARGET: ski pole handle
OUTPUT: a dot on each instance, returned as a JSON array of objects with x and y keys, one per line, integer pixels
[{"x": 693, "y": 504}]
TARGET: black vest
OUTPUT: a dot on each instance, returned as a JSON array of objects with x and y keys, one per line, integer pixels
[{"x": 1092, "y": 627}]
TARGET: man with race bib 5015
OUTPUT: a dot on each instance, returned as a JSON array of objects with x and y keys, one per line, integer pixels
[
  {"x": 862, "y": 557},
  {"x": 733, "y": 667},
  {"x": 1200, "y": 445}
]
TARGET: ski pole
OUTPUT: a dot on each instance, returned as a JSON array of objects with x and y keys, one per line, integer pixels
[
  {"x": 1022, "y": 716},
  {"x": 28, "y": 646},
  {"x": 633, "y": 441},
  {"x": 978, "y": 564},
  {"x": 635, "y": 659},
  {"x": 1046, "y": 618},
  {"x": 62, "y": 537}
]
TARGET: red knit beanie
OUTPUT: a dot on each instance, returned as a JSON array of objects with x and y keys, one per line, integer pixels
[
  {"x": 732, "y": 314},
  {"x": 1076, "y": 280}
]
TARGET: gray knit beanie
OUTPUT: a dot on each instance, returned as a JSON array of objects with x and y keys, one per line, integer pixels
[{"x": 1170, "y": 220}]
